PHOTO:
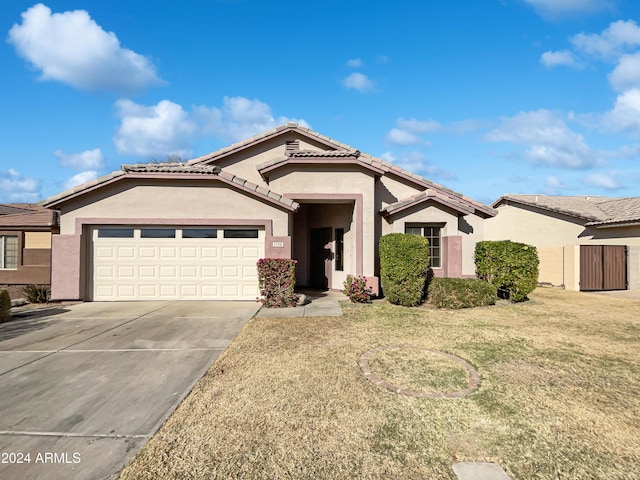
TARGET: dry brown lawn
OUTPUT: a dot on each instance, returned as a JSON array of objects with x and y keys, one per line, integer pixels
[{"x": 559, "y": 396}]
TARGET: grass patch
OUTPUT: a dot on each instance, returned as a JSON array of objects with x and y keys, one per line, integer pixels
[
  {"x": 419, "y": 370},
  {"x": 559, "y": 396}
]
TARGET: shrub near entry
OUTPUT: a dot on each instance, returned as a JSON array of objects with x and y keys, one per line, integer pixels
[
  {"x": 356, "y": 289},
  {"x": 457, "y": 293},
  {"x": 512, "y": 267},
  {"x": 277, "y": 280},
  {"x": 404, "y": 266}
]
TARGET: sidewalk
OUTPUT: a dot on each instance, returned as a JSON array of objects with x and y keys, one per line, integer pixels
[{"x": 323, "y": 304}]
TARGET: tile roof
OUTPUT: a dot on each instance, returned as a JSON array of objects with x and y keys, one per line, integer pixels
[
  {"x": 337, "y": 149},
  {"x": 596, "y": 210},
  {"x": 181, "y": 169},
  {"x": 619, "y": 211},
  {"x": 27, "y": 215},
  {"x": 325, "y": 153},
  {"x": 366, "y": 158},
  {"x": 423, "y": 197}
]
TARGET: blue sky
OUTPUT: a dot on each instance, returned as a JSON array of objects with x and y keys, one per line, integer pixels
[{"x": 486, "y": 97}]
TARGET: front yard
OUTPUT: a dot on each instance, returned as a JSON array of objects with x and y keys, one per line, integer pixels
[{"x": 559, "y": 396}]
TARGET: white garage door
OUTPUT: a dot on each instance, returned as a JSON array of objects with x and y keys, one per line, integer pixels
[{"x": 175, "y": 263}]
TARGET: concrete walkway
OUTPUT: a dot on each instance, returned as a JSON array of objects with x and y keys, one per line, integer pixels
[
  {"x": 323, "y": 304},
  {"x": 479, "y": 471}
]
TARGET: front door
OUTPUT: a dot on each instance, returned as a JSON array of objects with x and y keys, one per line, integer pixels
[{"x": 321, "y": 256}]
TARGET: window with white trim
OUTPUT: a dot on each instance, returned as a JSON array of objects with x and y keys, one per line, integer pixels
[
  {"x": 8, "y": 252},
  {"x": 433, "y": 234}
]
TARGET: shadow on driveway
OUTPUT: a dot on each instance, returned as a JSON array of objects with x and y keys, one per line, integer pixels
[{"x": 27, "y": 321}]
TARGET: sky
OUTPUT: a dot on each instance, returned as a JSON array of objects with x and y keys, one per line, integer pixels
[{"x": 485, "y": 97}]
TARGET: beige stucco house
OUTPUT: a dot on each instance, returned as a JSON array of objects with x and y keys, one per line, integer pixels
[
  {"x": 25, "y": 245},
  {"x": 584, "y": 242},
  {"x": 194, "y": 230}
]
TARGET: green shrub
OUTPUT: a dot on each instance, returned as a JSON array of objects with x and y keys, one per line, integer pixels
[
  {"x": 512, "y": 267},
  {"x": 461, "y": 293},
  {"x": 277, "y": 280},
  {"x": 5, "y": 305},
  {"x": 404, "y": 266},
  {"x": 37, "y": 293},
  {"x": 356, "y": 289}
]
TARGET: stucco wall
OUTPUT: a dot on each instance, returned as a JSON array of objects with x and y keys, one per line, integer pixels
[
  {"x": 390, "y": 190},
  {"x": 37, "y": 240},
  {"x": 558, "y": 238},
  {"x": 244, "y": 162},
  {"x": 202, "y": 199},
  {"x": 338, "y": 180},
  {"x": 532, "y": 226},
  {"x": 468, "y": 227}
]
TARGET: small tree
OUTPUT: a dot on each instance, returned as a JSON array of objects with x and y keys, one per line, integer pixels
[
  {"x": 404, "y": 266},
  {"x": 512, "y": 267}
]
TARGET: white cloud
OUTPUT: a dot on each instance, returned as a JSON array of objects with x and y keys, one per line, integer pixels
[
  {"x": 554, "y": 9},
  {"x": 167, "y": 129},
  {"x": 72, "y": 48},
  {"x": 626, "y": 75},
  {"x": 625, "y": 115},
  {"x": 417, "y": 162},
  {"x": 397, "y": 136},
  {"x": 89, "y": 159},
  {"x": 354, "y": 63},
  {"x": 608, "y": 181},
  {"x": 548, "y": 138},
  {"x": 16, "y": 188},
  {"x": 162, "y": 129},
  {"x": 418, "y": 126},
  {"x": 562, "y": 57},
  {"x": 80, "y": 178},
  {"x": 358, "y": 81},
  {"x": 239, "y": 118},
  {"x": 553, "y": 185},
  {"x": 618, "y": 38}
]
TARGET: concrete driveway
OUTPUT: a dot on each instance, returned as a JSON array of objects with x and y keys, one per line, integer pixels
[{"x": 84, "y": 387}]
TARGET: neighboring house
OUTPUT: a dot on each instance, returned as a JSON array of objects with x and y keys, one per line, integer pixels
[
  {"x": 194, "y": 230},
  {"x": 584, "y": 242},
  {"x": 25, "y": 245}
]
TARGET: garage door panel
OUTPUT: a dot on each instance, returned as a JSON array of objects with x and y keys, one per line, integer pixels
[
  {"x": 125, "y": 271},
  {"x": 126, "y": 252},
  {"x": 148, "y": 291},
  {"x": 127, "y": 291},
  {"x": 168, "y": 271},
  {"x": 188, "y": 252},
  {"x": 147, "y": 271},
  {"x": 250, "y": 252},
  {"x": 210, "y": 291},
  {"x": 137, "y": 268},
  {"x": 209, "y": 272},
  {"x": 148, "y": 252},
  {"x": 190, "y": 271},
  {"x": 168, "y": 252},
  {"x": 209, "y": 252}
]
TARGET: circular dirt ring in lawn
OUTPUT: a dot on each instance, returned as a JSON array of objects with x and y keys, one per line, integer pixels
[{"x": 419, "y": 372}]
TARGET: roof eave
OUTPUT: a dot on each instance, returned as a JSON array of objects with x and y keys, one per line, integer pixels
[{"x": 268, "y": 135}]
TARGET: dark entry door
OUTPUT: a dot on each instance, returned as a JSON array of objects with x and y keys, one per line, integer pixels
[
  {"x": 603, "y": 267},
  {"x": 321, "y": 256}
]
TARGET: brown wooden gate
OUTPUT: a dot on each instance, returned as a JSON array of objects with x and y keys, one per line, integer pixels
[{"x": 603, "y": 267}]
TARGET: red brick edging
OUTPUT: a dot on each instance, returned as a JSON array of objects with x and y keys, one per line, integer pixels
[{"x": 474, "y": 377}]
